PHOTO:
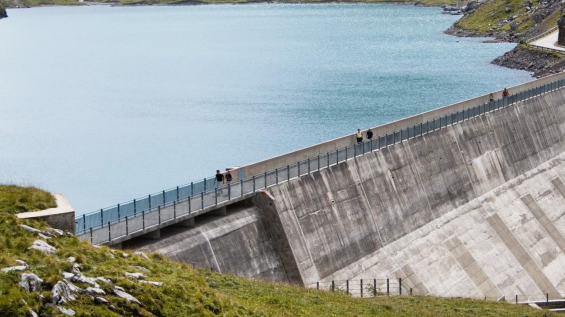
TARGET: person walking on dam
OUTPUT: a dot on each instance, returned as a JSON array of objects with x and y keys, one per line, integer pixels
[
  {"x": 491, "y": 97},
  {"x": 228, "y": 177},
  {"x": 359, "y": 136},
  {"x": 505, "y": 93},
  {"x": 219, "y": 179},
  {"x": 369, "y": 134}
]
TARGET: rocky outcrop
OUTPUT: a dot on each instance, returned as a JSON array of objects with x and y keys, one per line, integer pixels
[
  {"x": 541, "y": 63},
  {"x": 561, "y": 25},
  {"x": 3, "y": 13}
]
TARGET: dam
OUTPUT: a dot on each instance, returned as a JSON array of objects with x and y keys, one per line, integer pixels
[{"x": 465, "y": 200}]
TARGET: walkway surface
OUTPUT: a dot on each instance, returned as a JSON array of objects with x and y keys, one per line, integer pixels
[{"x": 549, "y": 41}]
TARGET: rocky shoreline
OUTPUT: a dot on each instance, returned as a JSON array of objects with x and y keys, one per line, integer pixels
[{"x": 3, "y": 13}]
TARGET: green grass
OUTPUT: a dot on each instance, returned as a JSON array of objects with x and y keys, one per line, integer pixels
[
  {"x": 493, "y": 11},
  {"x": 15, "y": 199},
  {"x": 191, "y": 292}
]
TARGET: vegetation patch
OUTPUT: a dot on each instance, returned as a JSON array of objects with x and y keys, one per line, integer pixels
[{"x": 15, "y": 199}]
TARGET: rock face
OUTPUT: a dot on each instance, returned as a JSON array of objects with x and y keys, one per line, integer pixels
[
  {"x": 43, "y": 247},
  {"x": 539, "y": 62},
  {"x": 561, "y": 25},
  {"x": 62, "y": 293},
  {"x": 31, "y": 282}
]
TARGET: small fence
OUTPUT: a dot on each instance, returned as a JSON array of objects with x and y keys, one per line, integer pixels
[
  {"x": 366, "y": 288},
  {"x": 156, "y": 209},
  {"x": 547, "y": 49}
]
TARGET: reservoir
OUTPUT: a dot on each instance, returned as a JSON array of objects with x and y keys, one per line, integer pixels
[{"x": 106, "y": 104}]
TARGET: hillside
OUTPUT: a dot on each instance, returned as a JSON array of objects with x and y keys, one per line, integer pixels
[
  {"x": 15, "y": 199},
  {"x": 98, "y": 281}
]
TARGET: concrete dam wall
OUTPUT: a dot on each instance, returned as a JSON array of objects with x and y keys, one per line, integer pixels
[{"x": 472, "y": 209}]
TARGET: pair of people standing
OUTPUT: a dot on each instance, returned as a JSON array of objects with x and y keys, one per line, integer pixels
[
  {"x": 505, "y": 94},
  {"x": 359, "y": 135},
  {"x": 221, "y": 179}
]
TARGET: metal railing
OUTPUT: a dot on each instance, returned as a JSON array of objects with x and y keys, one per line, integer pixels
[
  {"x": 366, "y": 288},
  {"x": 539, "y": 36},
  {"x": 154, "y": 210}
]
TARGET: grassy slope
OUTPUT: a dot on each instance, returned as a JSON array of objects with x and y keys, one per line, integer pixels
[
  {"x": 187, "y": 291},
  {"x": 15, "y": 199},
  {"x": 494, "y": 11}
]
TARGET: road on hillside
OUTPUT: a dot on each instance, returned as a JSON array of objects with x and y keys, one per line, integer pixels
[{"x": 549, "y": 41}]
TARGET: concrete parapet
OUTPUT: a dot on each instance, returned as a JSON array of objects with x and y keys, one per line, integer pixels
[{"x": 61, "y": 217}]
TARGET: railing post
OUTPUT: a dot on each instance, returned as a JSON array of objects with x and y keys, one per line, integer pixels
[
  {"x": 400, "y": 286},
  {"x": 91, "y": 235},
  {"x": 134, "y": 207},
  {"x": 84, "y": 222},
  {"x": 202, "y": 200},
  {"x": 336, "y": 156},
  {"x": 109, "y": 232},
  {"x": 149, "y": 201},
  {"x": 229, "y": 191},
  {"x": 118, "y": 211},
  {"x": 317, "y": 285},
  {"x": 287, "y": 173},
  {"x": 411, "y": 291},
  {"x": 175, "y": 209},
  {"x": 189, "y": 205},
  {"x": 387, "y": 287},
  {"x": 265, "y": 175},
  {"x": 375, "y": 287},
  {"x": 253, "y": 183},
  {"x": 546, "y": 299},
  {"x": 308, "y": 166},
  {"x": 346, "y": 152},
  {"x": 191, "y": 189},
  {"x": 298, "y": 164},
  {"x": 318, "y": 162},
  {"x": 361, "y": 283},
  {"x": 216, "y": 195},
  {"x": 204, "y": 183},
  {"x": 143, "y": 218},
  {"x": 328, "y": 156},
  {"x": 333, "y": 284},
  {"x": 241, "y": 186},
  {"x": 347, "y": 286},
  {"x": 163, "y": 198},
  {"x": 127, "y": 226},
  {"x": 159, "y": 212},
  {"x": 516, "y": 299},
  {"x": 101, "y": 217},
  {"x": 178, "y": 197},
  {"x": 276, "y": 175}
]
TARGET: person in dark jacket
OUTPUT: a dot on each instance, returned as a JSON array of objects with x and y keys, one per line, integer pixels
[
  {"x": 369, "y": 134},
  {"x": 219, "y": 179}
]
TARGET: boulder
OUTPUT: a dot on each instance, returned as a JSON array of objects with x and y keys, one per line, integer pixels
[
  {"x": 100, "y": 300},
  {"x": 62, "y": 293},
  {"x": 137, "y": 276},
  {"x": 30, "y": 229},
  {"x": 20, "y": 262},
  {"x": 71, "y": 259},
  {"x": 31, "y": 282},
  {"x": 94, "y": 291},
  {"x": 152, "y": 283},
  {"x": 514, "y": 25},
  {"x": 141, "y": 254},
  {"x": 66, "y": 311},
  {"x": 141, "y": 268},
  {"x": 103, "y": 280},
  {"x": 473, "y": 5},
  {"x": 43, "y": 247},
  {"x": 527, "y": 4},
  {"x": 19, "y": 268},
  {"x": 126, "y": 296}
]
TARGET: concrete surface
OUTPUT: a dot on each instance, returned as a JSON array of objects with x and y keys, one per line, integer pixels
[
  {"x": 474, "y": 209},
  {"x": 61, "y": 217},
  {"x": 549, "y": 41}
]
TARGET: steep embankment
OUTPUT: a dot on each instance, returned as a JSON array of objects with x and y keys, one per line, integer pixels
[
  {"x": 540, "y": 62},
  {"x": 92, "y": 281}
]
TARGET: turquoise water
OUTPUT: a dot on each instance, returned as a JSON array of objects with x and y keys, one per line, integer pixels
[{"x": 109, "y": 104}]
